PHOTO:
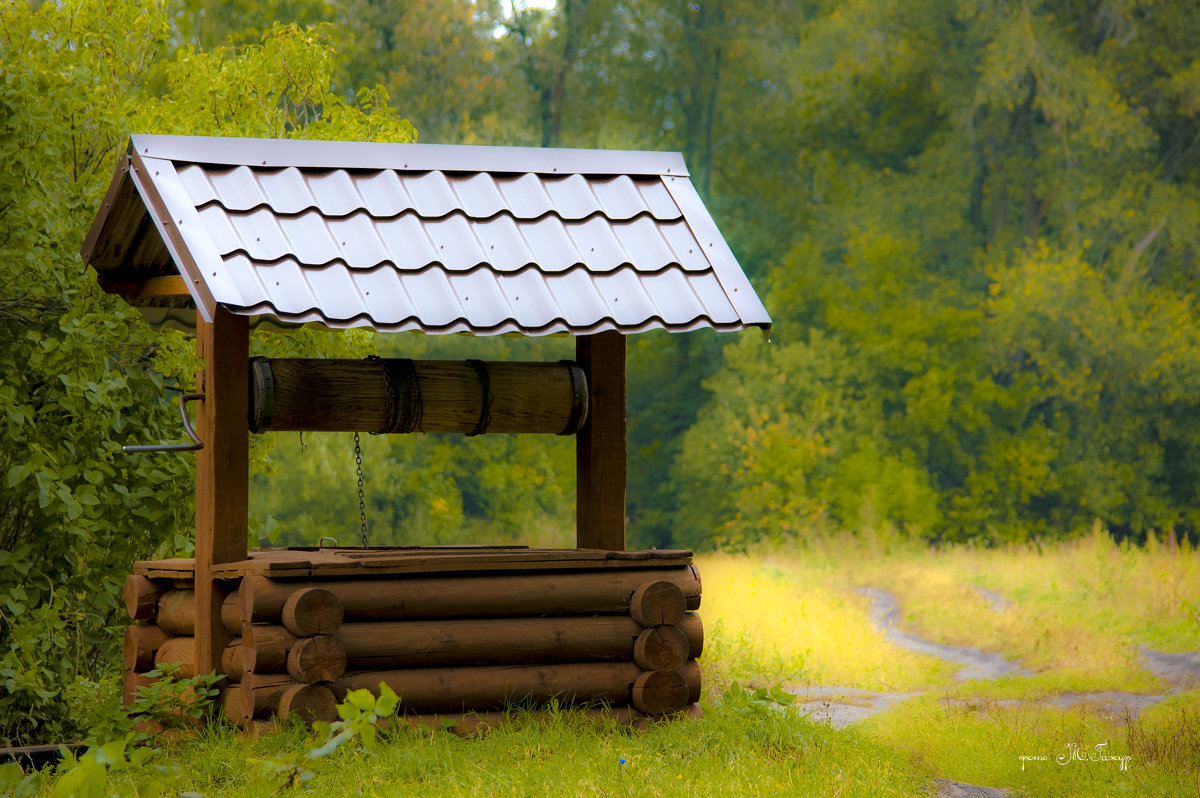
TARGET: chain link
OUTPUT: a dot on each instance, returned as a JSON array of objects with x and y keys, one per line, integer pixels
[{"x": 362, "y": 504}]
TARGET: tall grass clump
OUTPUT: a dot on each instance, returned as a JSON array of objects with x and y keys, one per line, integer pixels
[{"x": 1169, "y": 739}]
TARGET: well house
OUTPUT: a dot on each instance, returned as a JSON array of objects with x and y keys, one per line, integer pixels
[{"x": 220, "y": 234}]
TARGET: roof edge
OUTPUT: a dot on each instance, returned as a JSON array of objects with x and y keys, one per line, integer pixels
[
  {"x": 120, "y": 172},
  {"x": 265, "y": 317},
  {"x": 317, "y": 154}
]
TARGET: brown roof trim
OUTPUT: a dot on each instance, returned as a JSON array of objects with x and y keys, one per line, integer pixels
[
  {"x": 120, "y": 172},
  {"x": 412, "y": 157}
]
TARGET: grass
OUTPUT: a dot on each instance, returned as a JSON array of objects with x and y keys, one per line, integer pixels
[
  {"x": 563, "y": 754},
  {"x": 1074, "y": 614},
  {"x": 786, "y": 618}
]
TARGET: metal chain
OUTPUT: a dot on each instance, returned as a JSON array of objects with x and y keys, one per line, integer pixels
[{"x": 362, "y": 505}]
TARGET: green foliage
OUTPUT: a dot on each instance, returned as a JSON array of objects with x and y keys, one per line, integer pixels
[
  {"x": 360, "y": 712},
  {"x": 15, "y": 783},
  {"x": 80, "y": 374},
  {"x": 741, "y": 700},
  {"x": 88, "y": 775},
  {"x": 98, "y": 709},
  {"x": 996, "y": 245},
  {"x": 173, "y": 701}
]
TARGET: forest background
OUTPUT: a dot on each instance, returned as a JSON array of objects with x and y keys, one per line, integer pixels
[{"x": 974, "y": 222}]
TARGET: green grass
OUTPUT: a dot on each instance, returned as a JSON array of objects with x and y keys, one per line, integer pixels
[
  {"x": 565, "y": 754},
  {"x": 983, "y": 742},
  {"x": 792, "y": 614}
]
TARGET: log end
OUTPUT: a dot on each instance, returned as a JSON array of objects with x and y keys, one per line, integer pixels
[
  {"x": 141, "y": 644},
  {"x": 312, "y": 611},
  {"x": 661, "y": 648},
  {"x": 693, "y": 629},
  {"x": 141, "y": 596},
  {"x": 179, "y": 651},
  {"x": 658, "y": 603},
  {"x": 176, "y": 612},
  {"x": 660, "y": 692},
  {"x": 317, "y": 659},
  {"x": 134, "y": 681},
  {"x": 233, "y": 706},
  {"x": 309, "y": 703}
]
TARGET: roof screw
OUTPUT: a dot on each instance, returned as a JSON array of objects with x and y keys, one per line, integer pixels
[
  {"x": 145, "y": 150},
  {"x": 156, "y": 173},
  {"x": 258, "y": 239},
  {"x": 276, "y": 282},
  {"x": 264, "y": 163}
]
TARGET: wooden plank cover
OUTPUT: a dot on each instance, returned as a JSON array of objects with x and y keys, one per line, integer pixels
[{"x": 301, "y": 563}]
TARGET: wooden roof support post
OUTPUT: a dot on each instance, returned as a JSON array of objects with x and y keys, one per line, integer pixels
[
  {"x": 600, "y": 447},
  {"x": 222, "y": 471}
]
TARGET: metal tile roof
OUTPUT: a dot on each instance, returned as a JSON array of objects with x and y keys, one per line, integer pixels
[{"x": 485, "y": 240}]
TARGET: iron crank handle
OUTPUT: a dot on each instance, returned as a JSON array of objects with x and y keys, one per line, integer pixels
[{"x": 187, "y": 427}]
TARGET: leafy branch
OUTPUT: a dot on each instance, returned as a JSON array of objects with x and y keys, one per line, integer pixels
[{"x": 360, "y": 712}]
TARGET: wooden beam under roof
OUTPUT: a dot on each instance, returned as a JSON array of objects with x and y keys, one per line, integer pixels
[{"x": 165, "y": 286}]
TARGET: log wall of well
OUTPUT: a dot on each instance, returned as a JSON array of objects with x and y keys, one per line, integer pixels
[{"x": 626, "y": 639}]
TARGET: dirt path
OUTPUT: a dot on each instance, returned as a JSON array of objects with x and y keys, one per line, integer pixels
[
  {"x": 842, "y": 706},
  {"x": 997, "y": 602},
  {"x": 1181, "y": 670},
  {"x": 957, "y": 789},
  {"x": 975, "y": 664}
]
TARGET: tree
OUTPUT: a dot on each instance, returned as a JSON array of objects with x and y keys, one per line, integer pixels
[
  {"x": 80, "y": 372},
  {"x": 996, "y": 231}
]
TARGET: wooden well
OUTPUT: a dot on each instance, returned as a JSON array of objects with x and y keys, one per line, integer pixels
[
  {"x": 210, "y": 234},
  {"x": 452, "y": 630}
]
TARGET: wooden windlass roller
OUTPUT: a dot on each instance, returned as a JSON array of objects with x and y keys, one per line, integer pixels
[{"x": 398, "y": 395}]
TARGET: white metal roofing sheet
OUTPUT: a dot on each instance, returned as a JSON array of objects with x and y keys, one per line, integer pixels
[{"x": 442, "y": 239}]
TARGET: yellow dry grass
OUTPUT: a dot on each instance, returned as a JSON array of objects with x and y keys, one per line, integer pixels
[
  {"x": 1073, "y": 613},
  {"x": 780, "y": 619}
]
